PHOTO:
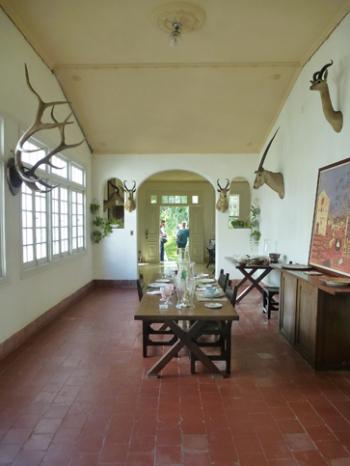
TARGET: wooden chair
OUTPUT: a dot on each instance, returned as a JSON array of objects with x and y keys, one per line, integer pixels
[
  {"x": 223, "y": 279},
  {"x": 153, "y": 328},
  {"x": 211, "y": 256},
  {"x": 269, "y": 299},
  {"x": 231, "y": 293}
]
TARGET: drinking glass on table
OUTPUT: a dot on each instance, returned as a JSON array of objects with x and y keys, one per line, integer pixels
[{"x": 166, "y": 292}]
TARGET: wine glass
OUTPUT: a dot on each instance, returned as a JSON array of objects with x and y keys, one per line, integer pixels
[{"x": 166, "y": 292}]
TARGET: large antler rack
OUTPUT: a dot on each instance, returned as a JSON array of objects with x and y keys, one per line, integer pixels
[{"x": 18, "y": 172}]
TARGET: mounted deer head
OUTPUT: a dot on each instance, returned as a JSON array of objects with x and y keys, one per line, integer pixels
[
  {"x": 222, "y": 202},
  {"x": 18, "y": 172},
  {"x": 130, "y": 203},
  {"x": 273, "y": 180},
  {"x": 115, "y": 196},
  {"x": 319, "y": 83}
]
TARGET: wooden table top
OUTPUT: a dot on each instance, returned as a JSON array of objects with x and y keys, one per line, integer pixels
[{"x": 148, "y": 309}]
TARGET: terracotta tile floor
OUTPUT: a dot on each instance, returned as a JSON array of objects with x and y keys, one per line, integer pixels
[{"x": 77, "y": 395}]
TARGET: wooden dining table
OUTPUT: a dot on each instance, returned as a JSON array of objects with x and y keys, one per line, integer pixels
[{"x": 197, "y": 315}]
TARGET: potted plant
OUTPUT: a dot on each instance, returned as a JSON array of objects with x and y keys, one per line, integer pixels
[{"x": 102, "y": 227}]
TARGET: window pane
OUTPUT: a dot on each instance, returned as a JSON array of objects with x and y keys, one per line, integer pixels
[
  {"x": 34, "y": 225},
  {"x": 32, "y": 157},
  {"x": 154, "y": 199},
  {"x": 173, "y": 199},
  {"x": 59, "y": 219},
  {"x": 195, "y": 199},
  {"x": 77, "y": 175},
  {"x": 62, "y": 167},
  {"x": 234, "y": 205},
  {"x": 77, "y": 220}
]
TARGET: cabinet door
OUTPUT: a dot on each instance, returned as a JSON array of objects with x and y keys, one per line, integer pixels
[
  {"x": 288, "y": 306},
  {"x": 307, "y": 320}
]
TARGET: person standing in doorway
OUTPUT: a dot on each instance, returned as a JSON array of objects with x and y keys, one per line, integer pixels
[
  {"x": 163, "y": 238},
  {"x": 182, "y": 236}
]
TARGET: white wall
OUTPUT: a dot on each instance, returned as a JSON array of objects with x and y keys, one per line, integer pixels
[
  {"x": 305, "y": 143},
  {"x": 26, "y": 295},
  {"x": 116, "y": 256}
]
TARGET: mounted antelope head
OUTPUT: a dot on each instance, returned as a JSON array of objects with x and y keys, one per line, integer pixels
[
  {"x": 222, "y": 202},
  {"x": 130, "y": 203},
  {"x": 273, "y": 180},
  {"x": 319, "y": 83},
  {"x": 17, "y": 171},
  {"x": 115, "y": 195}
]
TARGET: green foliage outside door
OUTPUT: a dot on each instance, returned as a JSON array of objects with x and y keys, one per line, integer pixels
[{"x": 173, "y": 217}]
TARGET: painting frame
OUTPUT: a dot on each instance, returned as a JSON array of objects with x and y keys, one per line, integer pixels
[{"x": 330, "y": 235}]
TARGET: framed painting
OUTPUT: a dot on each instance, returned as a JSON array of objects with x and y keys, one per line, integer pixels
[{"x": 330, "y": 239}]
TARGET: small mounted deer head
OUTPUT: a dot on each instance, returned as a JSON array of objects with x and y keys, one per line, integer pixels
[
  {"x": 222, "y": 202},
  {"x": 130, "y": 203},
  {"x": 17, "y": 171},
  {"x": 319, "y": 83},
  {"x": 273, "y": 180},
  {"x": 115, "y": 195}
]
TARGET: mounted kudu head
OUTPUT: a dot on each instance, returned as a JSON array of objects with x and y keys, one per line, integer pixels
[
  {"x": 130, "y": 203},
  {"x": 273, "y": 180},
  {"x": 319, "y": 83},
  {"x": 17, "y": 171},
  {"x": 222, "y": 202},
  {"x": 115, "y": 195}
]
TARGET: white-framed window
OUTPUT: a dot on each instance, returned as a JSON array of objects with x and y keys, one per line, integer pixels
[
  {"x": 53, "y": 223},
  {"x": 34, "y": 226},
  {"x": 173, "y": 199},
  {"x": 2, "y": 201},
  {"x": 60, "y": 221},
  {"x": 77, "y": 220},
  {"x": 234, "y": 200}
]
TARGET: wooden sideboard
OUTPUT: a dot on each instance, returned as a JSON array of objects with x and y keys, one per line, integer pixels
[{"x": 315, "y": 319}]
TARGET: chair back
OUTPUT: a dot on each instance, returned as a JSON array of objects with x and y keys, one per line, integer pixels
[
  {"x": 223, "y": 279},
  {"x": 139, "y": 284},
  {"x": 231, "y": 294}
]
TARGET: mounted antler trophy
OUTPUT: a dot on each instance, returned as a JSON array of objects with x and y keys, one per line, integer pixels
[
  {"x": 17, "y": 171},
  {"x": 319, "y": 83},
  {"x": 273, "y": 180},
  {"x": 130, "y": 203},
  {"x": 222, "y": 202}
]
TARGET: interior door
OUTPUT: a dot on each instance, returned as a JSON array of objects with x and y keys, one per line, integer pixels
[
  {"x": 150, "y": 234},
  {"x": 196, "y": 234}
]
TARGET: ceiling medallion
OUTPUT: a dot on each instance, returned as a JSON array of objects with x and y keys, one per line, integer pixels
[{"x": 176, "y": 18}]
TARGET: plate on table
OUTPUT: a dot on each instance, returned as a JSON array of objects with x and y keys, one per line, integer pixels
[
  {"x": 207, "y": 280},
  {"x": 213, "y": 305},
  {"x": 215, "y": 294},
  {"x": 163, "y": 280}
]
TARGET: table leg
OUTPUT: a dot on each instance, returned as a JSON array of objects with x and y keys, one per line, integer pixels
[
  {"x": 254, "y": 282},
  {"x": 185, "y": 339}
]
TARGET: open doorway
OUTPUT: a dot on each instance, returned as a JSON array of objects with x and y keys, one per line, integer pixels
[
  {"x": 175, "y": 189},
  {"x": 173, "y": 216}
]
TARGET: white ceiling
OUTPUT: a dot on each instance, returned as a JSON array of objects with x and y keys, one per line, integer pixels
[{"x": 220, "y": 91}]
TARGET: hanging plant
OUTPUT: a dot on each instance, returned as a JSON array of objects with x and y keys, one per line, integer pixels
[{"x": 102, "y": 227}]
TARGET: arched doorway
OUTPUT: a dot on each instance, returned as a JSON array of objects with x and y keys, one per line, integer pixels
[{"x": 176, "y": 196}]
